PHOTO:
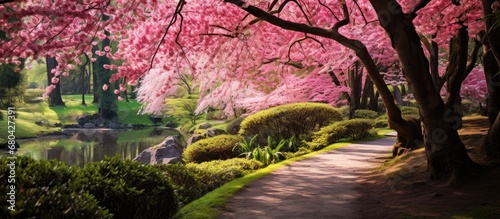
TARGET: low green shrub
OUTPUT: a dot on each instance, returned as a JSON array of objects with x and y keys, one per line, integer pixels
[
  {"x": 365, "y": 114},
  {"x": 327, "y": 136},
  {"x": 345, "y": 110},
  {"x": 214, "y": 174},
  {"x": 300, "y": 152},
  {"x": 47, "y": 189},
  {"x": 409, "y": 110},
  {"x": 357, "y": 128},
  {"x": 381, "y": 123},
  {"x": 354, "y": 128},
  {"x": 130, "y": 189},
  {"x": 283, "y": 122},
  {"x": 186, "y": 184},
  {"x": 216, "y": 148}
]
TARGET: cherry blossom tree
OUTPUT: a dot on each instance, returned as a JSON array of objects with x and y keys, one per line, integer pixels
[{"x": 278, "y": 51}]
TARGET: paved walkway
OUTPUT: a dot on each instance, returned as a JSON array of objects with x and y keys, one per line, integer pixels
[{"x": 323, "y": 186}]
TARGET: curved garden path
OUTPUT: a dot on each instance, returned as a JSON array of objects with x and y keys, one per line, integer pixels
[{"x": 323, "y": 186}]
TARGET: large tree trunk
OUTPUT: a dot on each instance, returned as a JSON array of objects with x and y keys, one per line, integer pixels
[
  {"x": 355, "y": 79},
  {"x": 95, "y": 81},
  {"x": 367, "y": 93},
  {"x": 446, "y": 154},
  {"x": 55, "y": 98},
  {"x": 434, "y": 64},
  {"x": 493, "y": 81},
  {"x": 107, "y": 99},
  {"x": 491, "y": 145},
  {"x": 397, "y": 94}
]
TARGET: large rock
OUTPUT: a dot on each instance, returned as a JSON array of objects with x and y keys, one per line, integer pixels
[
  {"x": 81, "y": 120},
  {"x": 169, "y": 151},
  {"x": 89, "y": 126},
  {"x": 214, "y": 132},
  {"x": 205, "y": 126}
]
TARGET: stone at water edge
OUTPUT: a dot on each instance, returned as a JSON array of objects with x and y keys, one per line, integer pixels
[
  {"x": 89, "y": 126},
  {"x": 169, "y": 151}
]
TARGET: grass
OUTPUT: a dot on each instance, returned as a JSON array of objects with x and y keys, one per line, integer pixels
[
  {"x": 207, "y": 206},
  {"x": 28, "y": 114},
  {"x": 25, "y": 126}
]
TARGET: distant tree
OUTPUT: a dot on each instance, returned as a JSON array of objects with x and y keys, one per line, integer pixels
[{"x": 53, "y": 75}]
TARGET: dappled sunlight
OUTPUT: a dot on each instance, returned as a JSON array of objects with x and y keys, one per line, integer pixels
[{"x": 323, "y": 185}]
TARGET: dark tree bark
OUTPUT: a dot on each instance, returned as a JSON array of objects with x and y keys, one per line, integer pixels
[
  {"x": 397, "y": 94},
  {"x": 434, "y": 64},
  {"x": 355, "y": 79},
  {"x": 446, "y": 153},
  {"x": 55, "y": 98},
  {"x": 491, "y": 62},
  {"x": 95, "y": 81},
  {"x": 493, "y": 81},
  {"x": 367, "y": 93},
  {"x": 374, "y": 101},
  {"x": 125, "y": 92}
]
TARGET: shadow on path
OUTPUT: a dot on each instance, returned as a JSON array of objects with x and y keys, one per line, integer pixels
[{"x": 323, "y": 186}]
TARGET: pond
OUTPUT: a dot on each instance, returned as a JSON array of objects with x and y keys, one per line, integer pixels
[{"x": 85, "y": 146}]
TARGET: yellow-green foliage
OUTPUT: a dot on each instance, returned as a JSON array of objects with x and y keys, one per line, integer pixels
[
  {"x": 283, "y": 122},
  {"x": 214, "y": 174},
  {"x": 365, "y": 114},
  {"x": 354, "y": 128},
  {"x": 216, "y": 148},
  {"x": 409, "y": 110}
]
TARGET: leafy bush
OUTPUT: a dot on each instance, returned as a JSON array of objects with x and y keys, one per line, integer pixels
[
  {"x": 380, "y": 123},
  {"x": 357, "y": 128},
  {"x": 327, "y": 136},
  {"x": 185, "y": 182},
  {"x": 234, "y": 126},
  {"x": 271, "y": 153},
  {"x": 214, "y": 174},
  {"x": 354, "y": 128},
  {"x": 129, "y": 189},
  {"x": 216, "y": 148},
  {"x": 300, "y": 152},
  {"x": 283, "y": 122},
  {"x": 47, "y": 189},
  {"x": 409, "y": 110},
  {"x": 365, "y": 114}
]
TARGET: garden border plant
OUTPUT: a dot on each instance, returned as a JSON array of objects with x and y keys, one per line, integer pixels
[{"x": 207, "y": 206}]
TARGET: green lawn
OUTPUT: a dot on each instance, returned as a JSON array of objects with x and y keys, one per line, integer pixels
[{"x": 28, "y": 114}]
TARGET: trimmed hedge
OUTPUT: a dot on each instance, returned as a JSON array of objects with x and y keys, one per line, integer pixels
[
  {"x": 130, "y": 189},
  {"x": 286, "y": 121},
  {"x": 354, "y": 128},
  {"x": 214, "y": 174},
  {"x": 186, "y": 183},
  {"x": 47, "y": 189},
  {"x": 216, "y": 148},
  {"x": 365, "y": 114},
  {"x": 357, "y": 128},
  {"x": 409, "y": 111}
]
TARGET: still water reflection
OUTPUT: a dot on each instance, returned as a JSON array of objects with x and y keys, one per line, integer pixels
[{"x": 86, "y": 146}]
